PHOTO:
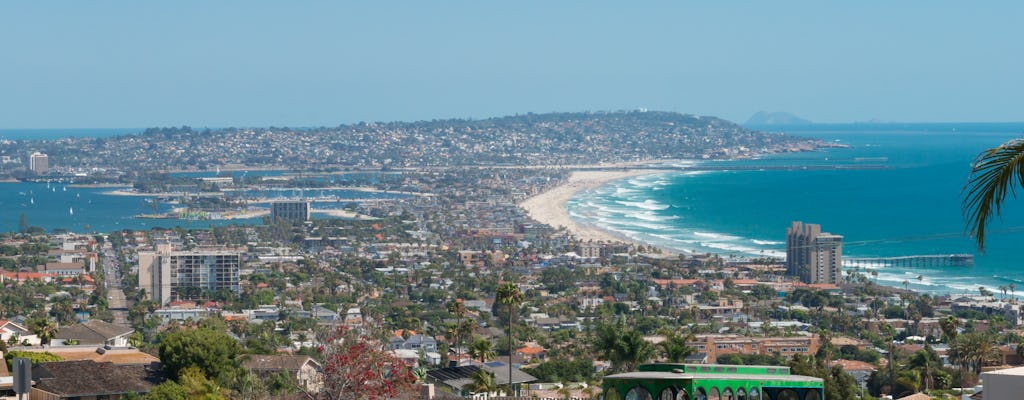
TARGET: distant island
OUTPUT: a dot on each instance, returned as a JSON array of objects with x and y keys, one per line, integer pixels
[{"x": 776, "y": 118}]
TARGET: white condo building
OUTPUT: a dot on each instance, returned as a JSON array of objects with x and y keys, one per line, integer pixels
[{"x": 169, "y": 275}]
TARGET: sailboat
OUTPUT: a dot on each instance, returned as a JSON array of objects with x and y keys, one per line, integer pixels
[
  {"x": 71, "y": 211},
  {"x": 32, "y": 200}
]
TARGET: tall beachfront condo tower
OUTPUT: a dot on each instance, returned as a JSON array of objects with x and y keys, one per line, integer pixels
[
  {"x": 38, "y": 163},
  {"x": 169, "y": 275},
  {"x": 813, "y": 255},
  {"x": 291, "y": 211}
]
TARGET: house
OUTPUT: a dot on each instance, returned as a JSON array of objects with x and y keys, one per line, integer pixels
[
  {"x": 307, "y": 372},
  {"x": 91, "y": 380},
  {"x": 530, "y": 351},
  {"x": 459, "y": 379},
  {"x": 353, "y": 318},
  {"x": 95, "y": 332},
  {"x": 98, "y": 354},
  {"x": 414, "y": 342},
  {"x": 859, "y": 370},
  {"x": 9, "y": 329},
  {"x": 321, "y": 313}
]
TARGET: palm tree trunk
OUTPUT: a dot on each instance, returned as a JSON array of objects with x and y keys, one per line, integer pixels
[{"x": 510, "y": 350}]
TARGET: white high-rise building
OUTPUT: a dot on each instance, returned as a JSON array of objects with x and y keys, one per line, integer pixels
[
  {"x": 813, "y": 255},
  {"x": 39, "y": 163},
  {"x": 169, "y": 275}
]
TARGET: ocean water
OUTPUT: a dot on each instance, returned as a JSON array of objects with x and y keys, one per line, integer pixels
[
  {"x": 911, "y": 207},
  {"x": 60, "y": 206},
  {"x": 50, "y": 134}
]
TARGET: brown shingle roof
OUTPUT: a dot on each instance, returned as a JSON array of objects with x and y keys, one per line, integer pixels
[
  {"x": 87, "y": 378},
  {"x": 93, "y": 331}
]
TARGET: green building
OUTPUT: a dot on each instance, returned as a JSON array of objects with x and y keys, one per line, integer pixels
[{"x": 711, "y": 382}]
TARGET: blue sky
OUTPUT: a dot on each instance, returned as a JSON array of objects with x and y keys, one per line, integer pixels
[{"x": 252, "y": 63}]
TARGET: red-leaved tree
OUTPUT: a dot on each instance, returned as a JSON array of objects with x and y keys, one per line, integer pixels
[{"x": 358, "y": 368}]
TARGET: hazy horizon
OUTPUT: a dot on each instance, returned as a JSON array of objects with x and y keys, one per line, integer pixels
[{"x": 117, "y": 63}]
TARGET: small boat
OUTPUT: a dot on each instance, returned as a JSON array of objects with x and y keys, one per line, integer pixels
[
  {"x": 32, "y": 200},
  {"x": 71, "y": 211}
]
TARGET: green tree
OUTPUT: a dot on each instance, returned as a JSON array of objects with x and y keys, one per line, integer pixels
[
  {"x": 168, "y": 390},
  {"x": 994, "y": 173},
  {"x": 23, "y": 225},
  {"x": 510, "y": 295},
  {"x": 213, "y": 352},
  {"x": 481, "y": 349},
  {"x": 625, "y": 348},
  {"x": 458, "y": 309},
  {"x": 32, "y": 356},
  {"x": 484, "y": 382},
  {"x": 926, "y": 362},
  {"x": 676, "y": 347},
  {"x": 45, "y": 328},
  {"x": 201, "y": 387}
]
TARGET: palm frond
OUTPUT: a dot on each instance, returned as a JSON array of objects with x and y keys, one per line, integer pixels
[{"x": 994, "y": 173}]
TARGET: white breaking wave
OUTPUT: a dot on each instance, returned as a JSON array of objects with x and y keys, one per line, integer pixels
[
  {"x": 766, "y": 242},
  {"x": 714, "y": 236},
  {"x": 646, "y": 204}
]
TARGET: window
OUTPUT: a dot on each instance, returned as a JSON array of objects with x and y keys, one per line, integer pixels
[
  {"x": 682, "y": 395},
  {"x": 611, "y": 394},
  {"x": 788, "y": 394},
  {"x": 755, "y": 394},
  {"x": 667, "y": 394},
  {"x": 741, "y": 394},
  {"x": 812, "y": 394},
  {"x": 700, "y": 394},
  {"x": 638, "y": 393},
  {"x": 714, "y": 394},
  {"x": 727, "y": 394}
]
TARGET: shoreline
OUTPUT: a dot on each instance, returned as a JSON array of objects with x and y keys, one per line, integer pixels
[{"x": 550, "y": 207}]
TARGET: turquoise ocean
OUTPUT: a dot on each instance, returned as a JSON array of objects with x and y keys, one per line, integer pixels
[{"x": 910, "y": 206}]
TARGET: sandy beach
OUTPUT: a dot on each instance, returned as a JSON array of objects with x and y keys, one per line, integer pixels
[
  {"x": 550, "y": 207},
  {"x": 343, "y": 214}
]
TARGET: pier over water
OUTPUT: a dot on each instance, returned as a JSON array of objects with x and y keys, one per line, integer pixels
[{"x": 915, "y": 261}]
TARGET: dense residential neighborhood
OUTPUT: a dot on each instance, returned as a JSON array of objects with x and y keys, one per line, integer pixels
[{"x": 451, "y": 288}]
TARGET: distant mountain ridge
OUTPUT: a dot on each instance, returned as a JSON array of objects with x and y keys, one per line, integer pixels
[{"x": 776, "y": 118}]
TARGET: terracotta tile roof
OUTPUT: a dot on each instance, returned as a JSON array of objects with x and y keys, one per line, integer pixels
[
  {"x": 277, "y": 362},
  {"x": 854, "y": 365}
]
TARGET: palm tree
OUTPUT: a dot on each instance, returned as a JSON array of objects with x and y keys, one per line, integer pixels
[
  {"x": 1012, "y": 288},
  {"x": 483, "y": 382},
  {"x": 481, "y": 349},
  {"x": 459, "y": 310},
  {"x": 675, "y": 348},
  {"x": 949, "y": 326},
  {"x": 926, "y": 361},
  {"x": 994, "y": 173},
  {"x": 45, "y": 328},
  {"x": 510, "y": 295}
]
